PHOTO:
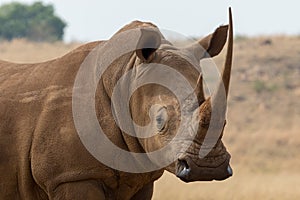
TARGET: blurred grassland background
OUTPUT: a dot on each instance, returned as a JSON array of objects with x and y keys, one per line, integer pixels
[{"x": 262, "y": 133}]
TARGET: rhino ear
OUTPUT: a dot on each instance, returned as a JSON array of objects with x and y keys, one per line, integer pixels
[
  {"x": 210, "y": 45},
  {"x": 148, "y": 43},
  {"x": 214, "y": 43}
]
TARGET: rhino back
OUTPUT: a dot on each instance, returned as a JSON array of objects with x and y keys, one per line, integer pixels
[
  {"x": 40, "y": 149},
  {"x": 34, "y": 98}
]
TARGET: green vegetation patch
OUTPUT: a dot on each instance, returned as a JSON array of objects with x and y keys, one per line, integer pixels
[{"x": 35, "y": 22}]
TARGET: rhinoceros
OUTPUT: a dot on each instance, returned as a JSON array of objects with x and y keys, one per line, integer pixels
[{"x": 42, "y": 156}]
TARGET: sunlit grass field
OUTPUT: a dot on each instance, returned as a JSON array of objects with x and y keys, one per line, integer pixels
[{"x": 263, "y": 131}]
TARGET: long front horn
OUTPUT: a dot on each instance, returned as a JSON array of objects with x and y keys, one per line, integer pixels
[
  {"x": 224, "y": 83},
  {"x": 219, "y": 98},
  {"x": 228, "y": 62}
]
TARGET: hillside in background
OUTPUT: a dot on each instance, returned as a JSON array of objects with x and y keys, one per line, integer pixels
[{"x": 262, "y": 133}]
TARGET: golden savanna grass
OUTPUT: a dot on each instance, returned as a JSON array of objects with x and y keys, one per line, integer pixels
[
  {"x": 20, "y": 50},
  {"x": 263, "y": 120}
]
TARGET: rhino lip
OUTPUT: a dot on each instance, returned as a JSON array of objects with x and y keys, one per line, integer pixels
[
  {"x": 183, "y": 170},
  {"x": 185, "y": 173}
]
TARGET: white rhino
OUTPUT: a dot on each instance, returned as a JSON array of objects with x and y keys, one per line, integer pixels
[{"x": 41, "y": 154}]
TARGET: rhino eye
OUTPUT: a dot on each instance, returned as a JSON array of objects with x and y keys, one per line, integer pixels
[
  {"x": 161, "y": 118},
  {"x": 160, "y": 123}
]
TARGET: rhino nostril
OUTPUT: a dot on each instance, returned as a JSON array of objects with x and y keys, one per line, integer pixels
[
  {"x": 229, "y": 170},
  {"x": 184, "y": 164},
  {"x": 183, "y": 169}
]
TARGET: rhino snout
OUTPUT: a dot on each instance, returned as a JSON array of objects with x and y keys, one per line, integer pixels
[{"x": 188, "y": 171}]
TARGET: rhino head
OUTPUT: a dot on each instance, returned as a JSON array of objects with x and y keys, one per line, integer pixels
[
  {"x": 194, "y": 128},
  {"x": 169, "y": 123}
]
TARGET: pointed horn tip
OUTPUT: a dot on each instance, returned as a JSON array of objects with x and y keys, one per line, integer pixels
[{"x": 230, "y": 16}]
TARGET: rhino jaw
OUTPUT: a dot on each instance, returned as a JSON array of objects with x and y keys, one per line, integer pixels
[{"x": 190, "y": 172}]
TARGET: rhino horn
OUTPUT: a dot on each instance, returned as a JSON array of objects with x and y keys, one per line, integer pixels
[
  {"x": 223, "y": 86},
  {"x": 199, "y": 89},
  {"x": 219, "y": 98},
  {"x": 228, "y": 62}
]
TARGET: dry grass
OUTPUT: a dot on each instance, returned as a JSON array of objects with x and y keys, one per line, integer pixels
[
  {"x": 20, "y": 50},
  {"x": 242, "y": 186},
  {"x": 263, "y": 120}
]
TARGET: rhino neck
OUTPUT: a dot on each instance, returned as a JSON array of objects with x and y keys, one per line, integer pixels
[
  {"x": 104, "y": 93},
  {"x": 125, "y": 64}
]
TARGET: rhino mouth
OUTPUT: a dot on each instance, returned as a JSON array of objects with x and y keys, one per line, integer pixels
[{"x": 188, "y": 171}]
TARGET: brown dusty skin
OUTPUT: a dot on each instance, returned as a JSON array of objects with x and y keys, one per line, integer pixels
[
  {"x": 265, "y": 156},
  {"x": 41, "y": 154}
]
